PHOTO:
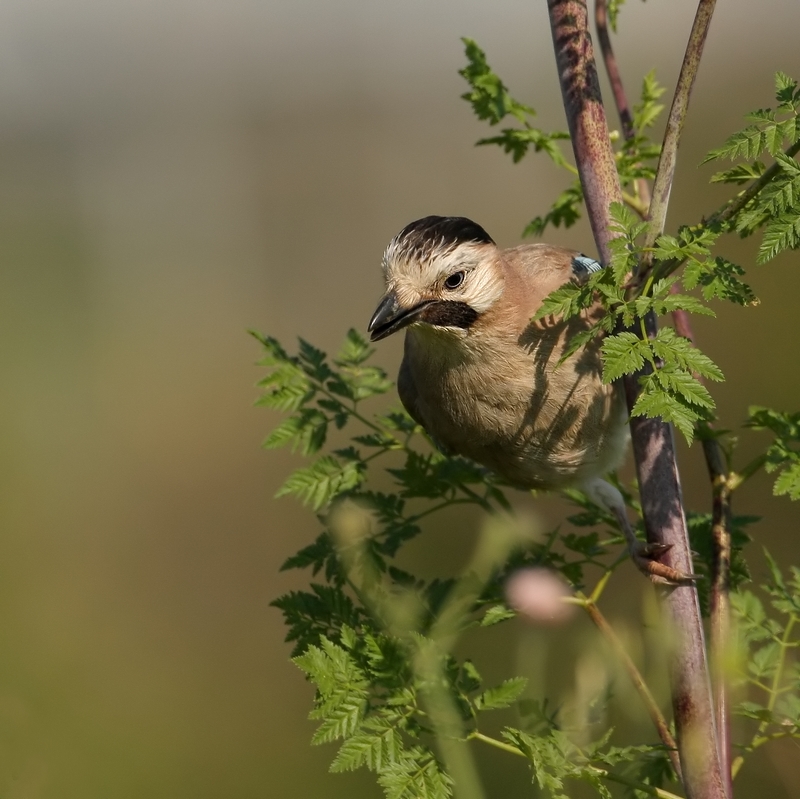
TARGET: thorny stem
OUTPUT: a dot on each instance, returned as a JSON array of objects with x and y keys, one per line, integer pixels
[
  {"x": 660, "y": 793},
  {"x": 654, "y": 711},
  {"x": 653, "y": 441}
]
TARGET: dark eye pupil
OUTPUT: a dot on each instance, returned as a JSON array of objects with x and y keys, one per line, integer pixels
[{"x": 455, "y": 280}]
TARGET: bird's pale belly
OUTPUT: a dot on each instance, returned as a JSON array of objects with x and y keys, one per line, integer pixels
[{"x": 514, "y": 427}]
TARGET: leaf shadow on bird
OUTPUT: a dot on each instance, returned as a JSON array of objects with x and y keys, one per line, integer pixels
[{"x": 487, "y": 382}]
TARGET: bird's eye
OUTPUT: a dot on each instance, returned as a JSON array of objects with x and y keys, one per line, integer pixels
[{"x": 454, "y": 281}]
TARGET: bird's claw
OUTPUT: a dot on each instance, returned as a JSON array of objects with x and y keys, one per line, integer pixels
[{"x": 644, "y": 556}]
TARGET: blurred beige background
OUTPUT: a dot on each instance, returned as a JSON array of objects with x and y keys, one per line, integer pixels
[{"x": 173, "y": 173}]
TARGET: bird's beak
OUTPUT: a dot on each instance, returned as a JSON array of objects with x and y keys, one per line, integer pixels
[{"x": 389, "y": 317}]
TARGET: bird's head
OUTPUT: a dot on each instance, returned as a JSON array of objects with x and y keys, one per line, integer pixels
[{"x": 441, "y": 271}]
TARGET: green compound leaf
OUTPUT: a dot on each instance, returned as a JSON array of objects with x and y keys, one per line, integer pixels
[
  {"x": 623, "y": 354},
  {"x": 489, "y": 97},
  {"x": 783, "y": 455},
  {"x": 325, "y": 479},
  {"x": 503, "y": 695}
]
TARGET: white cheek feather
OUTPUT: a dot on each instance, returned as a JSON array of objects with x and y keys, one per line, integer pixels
[
  {"x": 483, "y": 284},
  {"x": 483, "y": 289},
  {"x": 413, "y": 278}
]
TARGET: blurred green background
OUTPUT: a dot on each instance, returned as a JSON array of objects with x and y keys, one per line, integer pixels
[{"x": 174, "y": 173}]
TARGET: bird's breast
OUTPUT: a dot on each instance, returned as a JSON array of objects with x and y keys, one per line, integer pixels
[{"x": 502, "y": 401}]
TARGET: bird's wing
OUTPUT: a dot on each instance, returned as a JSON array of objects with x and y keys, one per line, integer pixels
[
  {"x": 583, "y": 266},
  {"x": 535, "y": 270},
  {"x": 408, "y": 392}
]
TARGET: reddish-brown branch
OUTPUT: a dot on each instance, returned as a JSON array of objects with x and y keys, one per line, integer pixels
[
  {"x": 653, "y": 443},
  {"x": 610, "y": 61},
  {"x": 617, "y": 88},
  {"x": 720, "y": 593},
  {"x": 719, "y": 610},
  {"x": 580, "y": 90}
]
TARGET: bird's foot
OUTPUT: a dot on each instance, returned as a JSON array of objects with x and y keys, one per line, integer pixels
[{"x": 644, "y": 556}]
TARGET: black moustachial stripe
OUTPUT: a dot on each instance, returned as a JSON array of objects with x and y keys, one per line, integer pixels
[{"x": 449, "y": 313}]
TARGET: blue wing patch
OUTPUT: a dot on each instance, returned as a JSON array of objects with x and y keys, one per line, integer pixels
[{"x": 583, "y": 266}]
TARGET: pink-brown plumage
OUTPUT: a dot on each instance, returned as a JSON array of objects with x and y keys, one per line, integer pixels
[{"x": 484, "y": 379}]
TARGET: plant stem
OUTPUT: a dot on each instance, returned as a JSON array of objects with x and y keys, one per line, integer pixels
[
  {"x": 728, "y": 211},
  {"x": 479, "y": 736},
  {"x": 473, "y": 496},
  {"x": 586, "y": 118},
  {"x": 759, "y": 738},
  {"x": 737, "y": 478},
  {"x": 600, "y": 587},
  {"x": 653, "y": 442},
  {"x": 660, "y": 793},
  {"x": 620, "y": 98},
  {"x": 665, "y": 173},
  {"x": 447, "y": 723},
  {"x": 720, "y": 604},
  {"x": 654, "y": 711},
  {"x": 759, "y": 742},
  {"x": 608, "y": 775}
]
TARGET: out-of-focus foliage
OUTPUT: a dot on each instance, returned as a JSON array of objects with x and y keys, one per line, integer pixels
[{"x": 377, "y": 640}]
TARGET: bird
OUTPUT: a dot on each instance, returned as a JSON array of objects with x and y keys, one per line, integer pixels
[{"x": 486, "y": 382}]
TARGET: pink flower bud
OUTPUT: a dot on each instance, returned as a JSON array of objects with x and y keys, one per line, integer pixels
[{"x": 539, "y": 594}]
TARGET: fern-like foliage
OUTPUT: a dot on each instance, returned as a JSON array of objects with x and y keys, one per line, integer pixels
[
  {"x": 776, "y": 207},
  {"x": 768, "y": 642},
  {"x": 614, "y": 7},
  {"x": 376, "y": 640},
  {"x": 783, "y": 455},
  {"x": 491, "y": 101},
  {"x": 369, "y": 634},
  {"x": 637, "y": 156},
  {"x": 669, "y": 364}
]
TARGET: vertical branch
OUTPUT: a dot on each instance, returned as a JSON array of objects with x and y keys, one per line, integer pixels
[
  {"x": 617, "y": 89},
  {"x": 720, "y": 606},
  {"x": 720, "y": 609},
  {"x": 653, "y": 443},
  {"x": 665, "y": 173},
  {"x": 662, "y": 186},
  {"x": 586, "y": 116}
]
